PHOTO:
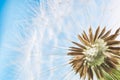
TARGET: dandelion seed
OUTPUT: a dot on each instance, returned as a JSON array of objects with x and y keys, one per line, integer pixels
[{"x": 97, "y": 54}]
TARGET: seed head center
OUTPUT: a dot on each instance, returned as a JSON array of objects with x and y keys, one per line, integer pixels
[{"x": 94, "y": 54}]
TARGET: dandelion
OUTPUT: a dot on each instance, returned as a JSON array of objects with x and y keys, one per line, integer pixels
[{"x": 97, "y": 54}]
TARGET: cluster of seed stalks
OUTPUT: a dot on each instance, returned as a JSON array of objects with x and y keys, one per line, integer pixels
[{"x": 97, "y": 54}]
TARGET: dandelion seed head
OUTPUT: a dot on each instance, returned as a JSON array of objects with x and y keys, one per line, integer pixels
[{"x": 95, "y": 53}]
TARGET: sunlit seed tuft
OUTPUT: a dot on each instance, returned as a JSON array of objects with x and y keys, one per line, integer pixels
[{"x": 99, "y": 53}]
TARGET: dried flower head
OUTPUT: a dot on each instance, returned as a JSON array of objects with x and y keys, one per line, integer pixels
[{"x": 96, "y": 54}]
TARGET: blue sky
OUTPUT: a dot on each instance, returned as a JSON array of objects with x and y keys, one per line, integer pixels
[
  {"x": 2, "y": 8},
  {"x": 10, "y": 11}
]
